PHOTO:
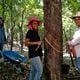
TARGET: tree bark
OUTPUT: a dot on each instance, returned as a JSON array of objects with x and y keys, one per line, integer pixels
[
  {"x": 53, "y": 40},
  {"x": 21, "y": 30},
  {"x": 12, "y": 34},
  {"x": 3, "y": 8}
]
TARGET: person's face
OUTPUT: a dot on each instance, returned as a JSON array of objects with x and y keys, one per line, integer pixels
[
  {"x": 77, "y": 21},
  {"x": 35, "y": 25}
]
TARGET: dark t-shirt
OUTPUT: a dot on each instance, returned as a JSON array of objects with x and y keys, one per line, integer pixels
[{"x": 33, "y": 36}]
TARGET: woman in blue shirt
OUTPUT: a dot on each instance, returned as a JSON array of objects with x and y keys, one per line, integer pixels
[{"x": 2, "y": 34}]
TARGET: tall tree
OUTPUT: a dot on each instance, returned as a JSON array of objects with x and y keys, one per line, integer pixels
[{"x": 53, "y": 40}]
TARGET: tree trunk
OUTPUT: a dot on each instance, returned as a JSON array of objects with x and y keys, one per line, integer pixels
[
  {"x": 53, "y": 40},
  {"x": 21, "y": 30},
  {"x": 11, "y": 27},
  {"x": 3, "y": 8}
]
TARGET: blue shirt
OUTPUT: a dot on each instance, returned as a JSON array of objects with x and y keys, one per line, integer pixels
[{"x": 2, "y": 35}]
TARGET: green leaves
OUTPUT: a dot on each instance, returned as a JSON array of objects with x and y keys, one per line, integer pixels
[
  {"x": 74, "y": 5},
  {"x": 13, "y": 10}
]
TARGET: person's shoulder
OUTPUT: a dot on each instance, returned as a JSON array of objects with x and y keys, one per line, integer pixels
[
  {"x": 29, "y": 31},
  {"x": 77, "y": 33}
]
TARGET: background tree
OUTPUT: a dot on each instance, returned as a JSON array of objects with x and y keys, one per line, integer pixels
[{"x": 16, "y": 14}]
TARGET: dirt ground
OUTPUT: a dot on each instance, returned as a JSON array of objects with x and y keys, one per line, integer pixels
[{"x": 9, "y": 71}]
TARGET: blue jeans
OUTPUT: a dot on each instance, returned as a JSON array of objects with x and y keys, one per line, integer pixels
[
  {"x": 36, "y": 69},
  {"x": 78, "y": 63}
]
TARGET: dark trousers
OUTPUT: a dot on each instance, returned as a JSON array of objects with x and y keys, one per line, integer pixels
[{"x": 1, "y": 46}]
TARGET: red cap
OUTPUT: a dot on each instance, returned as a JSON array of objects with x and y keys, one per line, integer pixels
[{"x": 34, "y": 19}]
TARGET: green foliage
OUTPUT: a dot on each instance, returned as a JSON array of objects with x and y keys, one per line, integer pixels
[
  {"x": 15, "y": 8},
  {"x": 35, "y": 8},
  {"x": 73, "y": 5}
]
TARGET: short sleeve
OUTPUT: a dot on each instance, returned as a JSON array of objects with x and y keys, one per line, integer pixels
[
  {"x": 76, "y": 38},
  {"x": 28, "y": 34}
]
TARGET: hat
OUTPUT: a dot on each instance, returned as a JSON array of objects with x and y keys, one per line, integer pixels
[
  {"x": 77, "y": 15},
  {"x": 34, "y": 19}
]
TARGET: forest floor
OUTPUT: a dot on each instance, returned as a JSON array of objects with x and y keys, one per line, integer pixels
[
  {"x": 10, "y": 71},
  {"x": 72, "y": 72}
]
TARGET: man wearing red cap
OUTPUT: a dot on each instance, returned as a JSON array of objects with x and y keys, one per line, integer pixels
[
  {"x": 33, "y": 41},
  {"x": 75, "y": 42}
]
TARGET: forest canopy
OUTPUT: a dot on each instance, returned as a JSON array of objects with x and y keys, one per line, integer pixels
[{"x": 17, "y": 12}]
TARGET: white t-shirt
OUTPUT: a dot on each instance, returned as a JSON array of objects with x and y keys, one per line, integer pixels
[{"x": 75, "y": 42}]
